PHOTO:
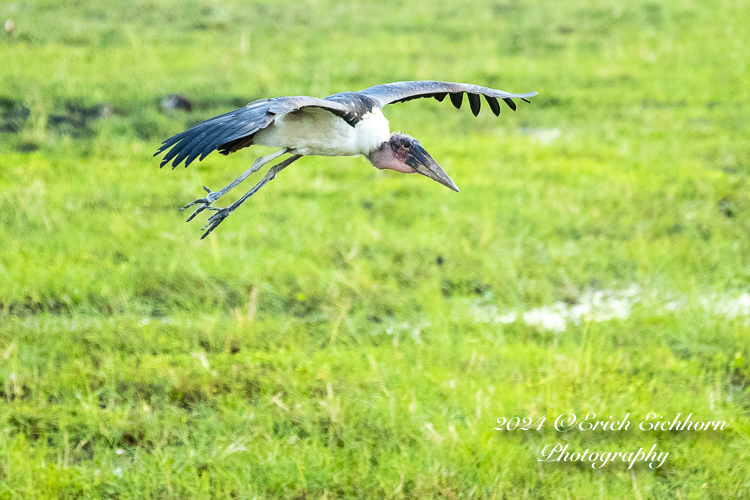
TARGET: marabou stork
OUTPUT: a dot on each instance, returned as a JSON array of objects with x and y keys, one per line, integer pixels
[{"x": 344, "y": 124}]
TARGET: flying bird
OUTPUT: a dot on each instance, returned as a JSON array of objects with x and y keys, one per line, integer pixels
[{"x": 343, "y": 124}]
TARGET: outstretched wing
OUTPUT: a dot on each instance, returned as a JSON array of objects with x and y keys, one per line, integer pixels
[
  {"x": 234, "y": 130},
  {"x": 390, "y": 93}
]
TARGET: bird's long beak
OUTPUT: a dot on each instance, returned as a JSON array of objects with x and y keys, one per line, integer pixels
[{"x": 421, "y": 161}]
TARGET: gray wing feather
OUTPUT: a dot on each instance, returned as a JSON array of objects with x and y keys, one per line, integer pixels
[
  {"x": 390, "y": 93},
  {"x": 236, "y": 128}
]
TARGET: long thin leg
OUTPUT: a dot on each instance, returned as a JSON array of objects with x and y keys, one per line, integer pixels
[
  {"x": 213, "y": 196},
  {"x": 223, "y": 213}
]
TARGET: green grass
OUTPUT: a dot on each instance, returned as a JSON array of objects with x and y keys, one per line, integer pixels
[{"x": 337, "y": 337}]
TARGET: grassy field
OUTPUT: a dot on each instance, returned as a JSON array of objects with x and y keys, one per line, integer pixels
[{"x": 350, "y": 333}]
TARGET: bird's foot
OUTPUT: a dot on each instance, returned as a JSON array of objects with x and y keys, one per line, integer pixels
[
  {"x": 203, "y": 203},
  {"x": 216, "y": 219}
]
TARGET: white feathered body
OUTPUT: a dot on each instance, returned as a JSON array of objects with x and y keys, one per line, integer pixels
[{"x": 315, "y": 131}]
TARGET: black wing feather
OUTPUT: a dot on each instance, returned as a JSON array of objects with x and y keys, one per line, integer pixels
[
  {"x": 176, "y": 149},
  {"x": 170, "y": 141},
  {"x": 456, "y": 99},
  {"x": 494, "y": 105},
  {"x": 198, "y": 149},
  {"x": 390, "y": 93},
  {"x": 209, "y": 144},
  {"x": 190, "y": 147},
  {"x": 474, "y": 103}
]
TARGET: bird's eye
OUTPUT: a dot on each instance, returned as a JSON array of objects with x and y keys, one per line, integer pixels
[{"x": 407, "y": 145}]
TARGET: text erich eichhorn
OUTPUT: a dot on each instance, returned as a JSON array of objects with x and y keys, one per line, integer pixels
[{"x": 557, "y": 452}]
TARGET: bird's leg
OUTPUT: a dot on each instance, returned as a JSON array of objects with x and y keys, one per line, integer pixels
[
  {"x": 223, "y": 213},
  {"x": 213, "y": 196}
]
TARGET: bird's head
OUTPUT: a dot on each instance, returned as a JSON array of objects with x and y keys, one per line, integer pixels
[{"x": 405, "y": 154}]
